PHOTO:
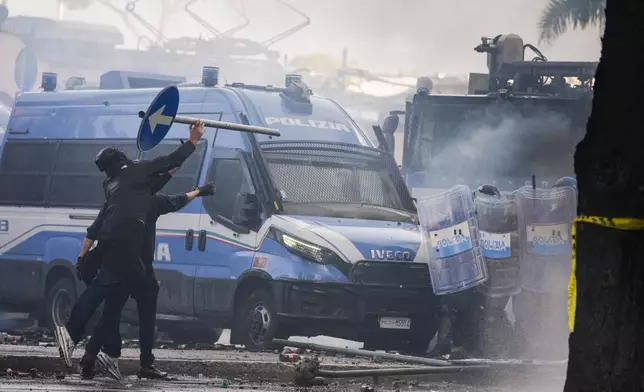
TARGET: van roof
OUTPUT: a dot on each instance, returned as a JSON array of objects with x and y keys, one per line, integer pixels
[{"x": 263, "y": 106}]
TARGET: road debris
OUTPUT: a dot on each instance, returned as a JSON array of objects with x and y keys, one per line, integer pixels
[
  {"x": 33, "y": 373},
  {"x": 289, "y": 354},
  {"x": 306, "y": 372},
  {"x": 364, "y": 353}
]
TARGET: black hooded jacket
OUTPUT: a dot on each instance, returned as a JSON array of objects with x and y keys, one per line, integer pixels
[
  {"x": 160, "y": 204},
  {"x": 128, "y": 197}
]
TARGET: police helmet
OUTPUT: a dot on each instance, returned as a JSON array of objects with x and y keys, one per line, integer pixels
[
  {"x": 565, "y": 181},
  {"x": 489, "y": 190},
  {"x": 108, "y": 157}
]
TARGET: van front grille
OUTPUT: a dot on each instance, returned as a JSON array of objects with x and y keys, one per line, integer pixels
[{"x": 388, "y": 273}]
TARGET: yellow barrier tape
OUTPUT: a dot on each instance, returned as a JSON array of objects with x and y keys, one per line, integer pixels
[{"x": 614, "y": 223}]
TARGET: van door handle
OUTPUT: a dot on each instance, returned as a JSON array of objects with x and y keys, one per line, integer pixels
[
  {"x": 83, "y": 216},
  {"x": 202, "y": 240},
  {"x": 190, "y": 239}
]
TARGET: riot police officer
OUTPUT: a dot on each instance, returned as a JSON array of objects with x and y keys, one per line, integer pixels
[
  {"x": 540, "y": 308},
  {"x": 566, "y": 181},
  {"x": 121, "y": 231},
  {"x": 498, "y": 225}
]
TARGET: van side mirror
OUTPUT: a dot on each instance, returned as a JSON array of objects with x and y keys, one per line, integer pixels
[
  {"x": 247, "y": 210},
  {"x": 383, "y": 144},
  {"x": 390, "y": 124}
]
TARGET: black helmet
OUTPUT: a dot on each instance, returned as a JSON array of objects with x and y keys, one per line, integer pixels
[
  {"x": 489, "y": 190},
  {"x": 108, "y": 157},
  {"x": 566, "y": 181}
]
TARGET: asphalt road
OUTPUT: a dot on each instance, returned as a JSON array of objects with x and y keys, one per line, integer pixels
[
  {"x": 238, "y": 365},
  {"x": 131, "y": 384}
]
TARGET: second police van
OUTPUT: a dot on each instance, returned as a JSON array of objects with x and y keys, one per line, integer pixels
[{"x": 313, "y": 232}]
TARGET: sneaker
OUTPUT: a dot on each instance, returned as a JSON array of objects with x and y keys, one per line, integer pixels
[
  {"x": 86, "y": 367},
  {"x": 65, "y": 345},
  {"x": 111, "y": 365},
  {"x": 152, "y": 373}
]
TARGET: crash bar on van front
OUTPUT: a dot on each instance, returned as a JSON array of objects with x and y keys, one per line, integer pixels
[{"x": 223, "y": 125}]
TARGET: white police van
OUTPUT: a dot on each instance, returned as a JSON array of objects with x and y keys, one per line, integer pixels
[{"x": 313, "y": 232}]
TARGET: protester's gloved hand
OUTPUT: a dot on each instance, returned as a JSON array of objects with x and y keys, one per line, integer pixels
[
  {"x": 87, "y": 266},
  {"x": 207, "y": 189},
  {"x": 82, "y": 270}
]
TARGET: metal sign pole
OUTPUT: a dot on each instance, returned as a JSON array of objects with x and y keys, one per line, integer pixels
[{"x": 162, "y": 113}]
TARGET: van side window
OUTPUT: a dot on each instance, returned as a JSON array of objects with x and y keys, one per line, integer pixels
[
  {"x": 62, "y": 173},
  {"x": 76, "y": 181},
  {"x": 25, "y": 171},
  {"x": 230, "y": 177},
  {"x": 185, "y": 179}
]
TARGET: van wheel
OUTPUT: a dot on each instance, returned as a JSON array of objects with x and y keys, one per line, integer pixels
[
  {"x": 255, "y": 322},
  {"x": 193, "y": 336},
  {"x": 60, "y": 301}
]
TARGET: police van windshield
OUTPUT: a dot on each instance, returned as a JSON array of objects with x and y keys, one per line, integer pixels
[
  {"x": 327, "y": 121},
  {"x": 338, "y": 180}
]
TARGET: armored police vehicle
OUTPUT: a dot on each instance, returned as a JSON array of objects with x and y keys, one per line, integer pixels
[
  {"x": 523, "y": 118},
  {"x": 313, "y": 232}
]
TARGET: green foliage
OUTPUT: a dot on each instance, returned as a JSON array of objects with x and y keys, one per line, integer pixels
[{"x": 559, "y": 15}]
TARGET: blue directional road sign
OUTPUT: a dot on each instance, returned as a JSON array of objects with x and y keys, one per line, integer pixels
[
  {"x": 26, "y": 70},
  {"x": 158, "y": 118}
]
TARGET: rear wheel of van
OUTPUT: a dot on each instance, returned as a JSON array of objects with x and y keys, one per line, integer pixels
[
  {"x": 194, "y": 335},
  {"x": 255, "y": 322},
  {"x": 60, "y": 301}
]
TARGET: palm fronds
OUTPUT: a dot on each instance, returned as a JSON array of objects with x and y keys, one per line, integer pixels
[{"x": 559, "y": 15}]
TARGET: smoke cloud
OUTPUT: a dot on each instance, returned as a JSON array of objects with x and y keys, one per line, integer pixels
[{"x": 506, "y": 144}]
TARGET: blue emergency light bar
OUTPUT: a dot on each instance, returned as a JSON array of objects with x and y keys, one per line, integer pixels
[
  {"x": 293, "y": 78},
  {"x": 49, "y": 81},
  {"x": 74, "y": 82},
  {"x": 210, "y": 76}
]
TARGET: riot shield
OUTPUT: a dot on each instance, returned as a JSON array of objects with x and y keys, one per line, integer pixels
[
  {"x": 500, "y": 245},
  {"x": 545, "y": 223},
  {"x": 451, "y": 238}
]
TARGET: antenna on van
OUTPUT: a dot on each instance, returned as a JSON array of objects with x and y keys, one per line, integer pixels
[
  {"x": 130, "y": 8},
  {"x": 287, "y": 33},
  {"x": 241, "y": 10}
]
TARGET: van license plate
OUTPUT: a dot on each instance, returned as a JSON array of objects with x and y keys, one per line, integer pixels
[{"x": 395, "y": 323}]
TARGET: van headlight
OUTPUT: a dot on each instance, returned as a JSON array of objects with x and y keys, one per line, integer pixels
[{"x": 307, "y": 250}]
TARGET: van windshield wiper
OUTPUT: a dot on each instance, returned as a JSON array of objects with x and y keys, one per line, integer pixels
[{"x": 393, "y": 210}]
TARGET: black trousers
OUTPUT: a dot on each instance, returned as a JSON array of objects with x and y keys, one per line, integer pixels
[
  {"x": 107, "y": 335},
  {"x": 121, "y": 275},
  {"x": 84, "y": 309}
]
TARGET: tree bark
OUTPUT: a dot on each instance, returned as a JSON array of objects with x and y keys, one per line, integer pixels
[{"x": 607, "y": 346}]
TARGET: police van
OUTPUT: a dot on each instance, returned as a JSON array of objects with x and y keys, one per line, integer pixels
[{"x": 310, "y": 233}]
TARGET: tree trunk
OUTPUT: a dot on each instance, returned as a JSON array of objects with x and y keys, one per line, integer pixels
[{"x": 607, "y": 346}]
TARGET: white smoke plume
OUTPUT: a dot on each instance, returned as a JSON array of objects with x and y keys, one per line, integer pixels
[{"x": 511, "y": 144}]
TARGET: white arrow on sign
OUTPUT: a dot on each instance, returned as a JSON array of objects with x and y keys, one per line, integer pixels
[{"x": 157, "y": 118}]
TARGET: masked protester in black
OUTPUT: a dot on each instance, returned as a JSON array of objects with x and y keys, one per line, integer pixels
[
  {"x": 106, "y": 334},
  {"x": 120, "y": 233}
]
